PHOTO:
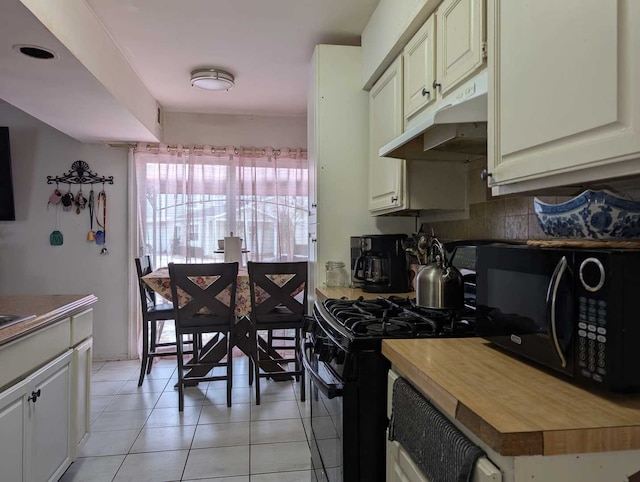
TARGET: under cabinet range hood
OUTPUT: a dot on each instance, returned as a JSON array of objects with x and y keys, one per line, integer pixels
[{"x": 456, "y": 131}]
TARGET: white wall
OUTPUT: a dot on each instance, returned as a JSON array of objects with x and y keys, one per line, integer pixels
[
  {"x": 29, "y": 264},
  {"x": 235, "y": 130}
]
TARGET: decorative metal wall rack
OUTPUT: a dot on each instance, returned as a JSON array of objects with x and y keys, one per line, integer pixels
[{"x": 80, "y": 173}]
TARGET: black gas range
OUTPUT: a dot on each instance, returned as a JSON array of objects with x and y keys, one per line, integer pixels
[
  {"x": 357, "y": 323},
  {"x": 348, "y": 377}
]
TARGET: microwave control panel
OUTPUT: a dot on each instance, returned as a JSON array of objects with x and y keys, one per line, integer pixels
[
  {"x": 592, "y": 317},
  {"x": 592, "y": 338}
]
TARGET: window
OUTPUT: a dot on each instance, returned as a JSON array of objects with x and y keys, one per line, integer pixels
[{"x": 188, "y": 200}]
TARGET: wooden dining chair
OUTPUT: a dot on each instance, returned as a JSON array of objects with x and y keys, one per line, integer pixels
[
  {"x": 278, "y": 302},
  {"x": 153, "y": 317},
  {"x": 209, "y": 307}
]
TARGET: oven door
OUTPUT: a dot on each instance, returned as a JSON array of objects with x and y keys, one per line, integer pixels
[
  {"x": 326, "y": 418},
  {"x": 525, "y": 302}
]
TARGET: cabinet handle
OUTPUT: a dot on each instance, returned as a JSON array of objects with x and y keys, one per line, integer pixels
[
  {"x": 314, "y": 205},
  {"x": 394, "y": 199},
  {"x": 484, "y": 174},
  {"x": 435, "y": 85},
  {"x": 34, "y": 396},
  {"x": 314, "y": 240},
  {"x": 426, "y": 92}
]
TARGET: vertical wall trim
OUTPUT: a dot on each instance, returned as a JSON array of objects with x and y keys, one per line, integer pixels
[{"x": 132, "y": 250}]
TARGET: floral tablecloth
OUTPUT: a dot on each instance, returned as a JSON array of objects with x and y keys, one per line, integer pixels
[{"x": 160, "y": 282}]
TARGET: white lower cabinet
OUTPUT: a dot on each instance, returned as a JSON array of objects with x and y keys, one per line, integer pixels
[
  {"x": 45, "y": 394},
  {"x": 495, "y": 467},
  {"x": 49, "y": 417},
  {"x": 13, "y": 432},
  {"x": 82, "y": 392},
  {"x": 36, "y": 443},
  {"x": 400, "y": 467}
]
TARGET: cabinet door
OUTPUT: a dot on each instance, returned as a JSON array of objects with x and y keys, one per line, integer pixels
[
  {"x": 385, "y": 124},
  {"x": 311, "y": 141},
  {"x": 461, "y": 34},
  {"x": 49, "y": 416},
  {"x": 563, "y": 104},
  {"x": 419, "y": 57},
  {"x": 400, "y": 467},
  {"x": 81, "y": 378},
  {"x": 13, "y": 432}
]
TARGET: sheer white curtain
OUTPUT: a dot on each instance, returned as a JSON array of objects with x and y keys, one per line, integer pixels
[{"x": 189, "y": 198}]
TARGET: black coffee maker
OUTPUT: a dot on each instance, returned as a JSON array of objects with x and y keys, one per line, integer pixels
[{"x": 382, "y": 266}]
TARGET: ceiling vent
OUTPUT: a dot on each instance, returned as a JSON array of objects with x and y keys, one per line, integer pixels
[{"x": 35, "y": 52}]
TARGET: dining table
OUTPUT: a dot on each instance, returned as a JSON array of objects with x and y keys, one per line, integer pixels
[{"x": 214, "y": 350}]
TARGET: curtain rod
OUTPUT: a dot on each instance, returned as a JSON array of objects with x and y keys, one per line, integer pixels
[
  {"x": 121, "y": 145},
  {"x": 213, "y": 149}
]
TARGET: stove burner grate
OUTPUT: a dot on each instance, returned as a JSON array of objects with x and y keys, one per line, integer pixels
[
  {"x": 396, "y": 316},
  {"x": 386, "y": 327}
]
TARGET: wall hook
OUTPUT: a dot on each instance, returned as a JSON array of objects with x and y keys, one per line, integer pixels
[{"x": 80, "y": 173}]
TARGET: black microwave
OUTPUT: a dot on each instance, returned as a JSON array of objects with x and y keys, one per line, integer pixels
[{"x": 572, "y": 310}]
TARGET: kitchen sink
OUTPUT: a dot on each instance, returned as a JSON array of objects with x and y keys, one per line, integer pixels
[{"x": 6, "y": 320}]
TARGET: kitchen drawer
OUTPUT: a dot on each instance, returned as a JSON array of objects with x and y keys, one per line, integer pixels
[
  {"x": 30, "y": 352},
  {"x": 81, "y": 326}
]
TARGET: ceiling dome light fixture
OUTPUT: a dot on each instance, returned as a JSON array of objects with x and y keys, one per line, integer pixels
[{"x": 212, "y": 79}]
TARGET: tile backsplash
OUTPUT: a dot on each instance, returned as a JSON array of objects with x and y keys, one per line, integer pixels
[
  {"x": 498, "y": 218},
  {"x": 512, "y": 217}
]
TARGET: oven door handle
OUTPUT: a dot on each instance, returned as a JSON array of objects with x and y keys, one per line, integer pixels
[
  {"x": 554, "y": 284},
  {"x": 329, "y": 390}
]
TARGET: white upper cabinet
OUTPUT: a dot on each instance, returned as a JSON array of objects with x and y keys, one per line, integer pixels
[
  {"x": 563, "y": 103},
  {"x": 312, "y": 134},
  {"x": 447, "y": 50},
  {"x": 419, "y": 69},
  {"x": 386, "y": 174},
  {"x": 398, "y": 185},
  {"x": 460, "y": 40}
]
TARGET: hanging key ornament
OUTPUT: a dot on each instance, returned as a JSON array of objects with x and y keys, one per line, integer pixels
[
  {"x": 55, "y": 198},
  {"x": 101, "y": 220},
  {"x": 91, "y": 235},
  {"x": 67, "y": 200},
  {"x": 80, "y": 201}
]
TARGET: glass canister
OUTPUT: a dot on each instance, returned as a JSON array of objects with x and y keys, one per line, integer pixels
[{"x": 336, "y": 275}]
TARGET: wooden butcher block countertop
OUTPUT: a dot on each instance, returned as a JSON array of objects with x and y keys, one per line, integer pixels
[
  {"x": 514, "y": 407},
  {"x": 47, "y": 309}
]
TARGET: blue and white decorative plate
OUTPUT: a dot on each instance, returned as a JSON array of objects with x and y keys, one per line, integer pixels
[{"x": 592, "y": 214}]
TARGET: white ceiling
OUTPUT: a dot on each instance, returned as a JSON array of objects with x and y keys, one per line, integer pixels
[{"x": 265, "y": 44}]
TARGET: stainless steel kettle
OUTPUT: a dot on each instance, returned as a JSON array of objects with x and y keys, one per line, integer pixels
[{"x": 438, "y": 284}]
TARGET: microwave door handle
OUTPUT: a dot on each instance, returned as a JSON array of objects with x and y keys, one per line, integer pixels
[{"x": 561, "y": 268}]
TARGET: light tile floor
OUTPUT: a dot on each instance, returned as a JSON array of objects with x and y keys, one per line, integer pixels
[{"x": 137, "y": 433}]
